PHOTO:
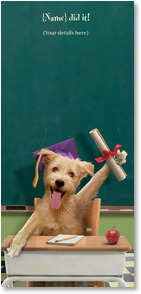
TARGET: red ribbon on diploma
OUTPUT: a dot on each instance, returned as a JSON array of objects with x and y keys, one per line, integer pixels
[{"x": 107, "y": 153}]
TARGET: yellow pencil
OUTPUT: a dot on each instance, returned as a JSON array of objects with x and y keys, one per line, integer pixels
[{"x": 65, "y": 239}]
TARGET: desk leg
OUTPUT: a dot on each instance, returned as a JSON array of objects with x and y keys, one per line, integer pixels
[
  {"x": 11, "y": 284},
  {"x": 9, "y": 280},
  {"x": 122, "y": 283}
]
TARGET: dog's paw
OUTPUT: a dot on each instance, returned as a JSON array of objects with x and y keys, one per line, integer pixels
[
  {"x": 120, "y": 158},
  {"x": 15, "y": 250},
  {"x": 15, "y": 247}
]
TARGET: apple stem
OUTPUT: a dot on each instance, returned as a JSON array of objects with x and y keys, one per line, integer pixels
[{"x": 113, "y": 227}]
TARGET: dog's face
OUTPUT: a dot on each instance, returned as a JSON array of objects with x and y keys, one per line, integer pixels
[{"x": 63, "y": 175}]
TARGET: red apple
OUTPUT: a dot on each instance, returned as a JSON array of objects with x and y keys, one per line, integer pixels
[{"x": 112, "y": 236}]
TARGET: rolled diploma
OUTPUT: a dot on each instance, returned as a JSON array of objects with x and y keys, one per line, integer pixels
[{"x": 101, "y": 144}]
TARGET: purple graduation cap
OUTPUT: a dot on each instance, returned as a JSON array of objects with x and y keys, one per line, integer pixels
[{"x": 66, "y": 148}]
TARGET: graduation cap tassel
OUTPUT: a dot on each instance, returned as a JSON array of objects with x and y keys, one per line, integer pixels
[{"x": 35, "y": 180}]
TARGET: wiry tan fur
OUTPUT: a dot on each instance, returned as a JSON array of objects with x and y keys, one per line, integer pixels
[{"x": 69, "y": 218}]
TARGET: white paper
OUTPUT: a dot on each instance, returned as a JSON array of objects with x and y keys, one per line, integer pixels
[{"x": 72, "y": 241}]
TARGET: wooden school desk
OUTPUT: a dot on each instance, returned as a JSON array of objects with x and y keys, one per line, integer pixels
[{"x": 91, "y": 259}]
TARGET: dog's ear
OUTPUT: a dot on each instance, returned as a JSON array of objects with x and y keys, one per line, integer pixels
[
  {"x": 85, "y": 168},
  {"x": 47, "y": 157}
]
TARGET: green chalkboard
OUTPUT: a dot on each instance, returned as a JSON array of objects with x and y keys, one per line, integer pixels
[{"x": 62, "y": 85}]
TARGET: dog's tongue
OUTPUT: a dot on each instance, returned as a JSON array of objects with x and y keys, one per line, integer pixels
[{"x": 55, "y": 201}]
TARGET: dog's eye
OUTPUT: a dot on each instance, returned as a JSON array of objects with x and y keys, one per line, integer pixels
[
  {"x": 55, "y": 169},
  {"x": 71, "y": 174}
]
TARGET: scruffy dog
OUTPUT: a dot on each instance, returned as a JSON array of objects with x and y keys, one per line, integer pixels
[{"x": 60, "y": 211}]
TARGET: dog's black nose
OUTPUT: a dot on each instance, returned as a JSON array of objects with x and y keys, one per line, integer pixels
[{"x": 59, "y": 183}]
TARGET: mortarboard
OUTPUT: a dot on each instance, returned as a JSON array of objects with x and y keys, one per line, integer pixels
[{"x": 66, "y": 148}]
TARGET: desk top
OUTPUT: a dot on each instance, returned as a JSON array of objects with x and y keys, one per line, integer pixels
[{"x": 88, "y": 243}]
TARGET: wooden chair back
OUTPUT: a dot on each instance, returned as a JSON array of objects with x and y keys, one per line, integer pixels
[{"x": 92, "y": 220}]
